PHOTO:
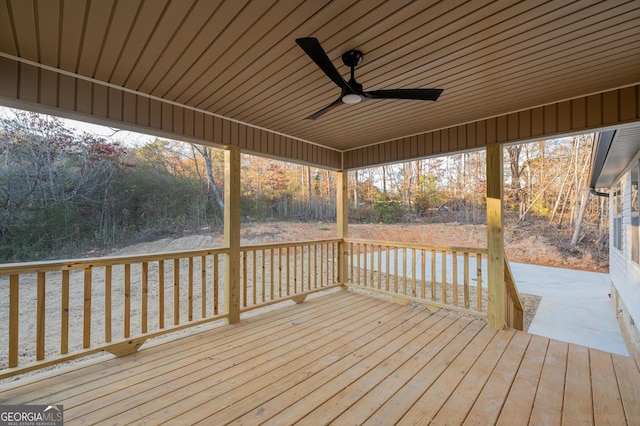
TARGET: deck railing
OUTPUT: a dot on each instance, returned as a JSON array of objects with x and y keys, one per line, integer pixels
[
  {"x": 274, "y": 273},
  {"x": 114, "y": 304},
  {"x": 109, "y": 303},
  {"x": 514, "y": 309},
  {"x": 436, "y": 276}
]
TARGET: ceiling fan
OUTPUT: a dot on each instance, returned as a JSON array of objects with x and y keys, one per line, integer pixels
[{"x": 352, "y": 92}]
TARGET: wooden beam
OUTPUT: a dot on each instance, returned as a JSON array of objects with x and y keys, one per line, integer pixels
[
  {"x": 342, "y": 219},
  {"x": 495, "y": 237},
  {"x": 232, "y": 233}
]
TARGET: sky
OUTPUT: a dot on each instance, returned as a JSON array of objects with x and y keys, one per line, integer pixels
[{"x": 124, "y": 136}]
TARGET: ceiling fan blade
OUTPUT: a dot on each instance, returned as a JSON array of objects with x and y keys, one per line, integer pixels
[
  {"x": 325, "y": 109},
  {"x": 417, "y": 94},
  {"x": 312, "y": 47}
]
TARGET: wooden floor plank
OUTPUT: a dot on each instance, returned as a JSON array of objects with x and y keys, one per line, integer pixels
[
  {"x": 215, "y": 366},
  {"x": 628, "y": 376},
  {"x": 49, "y": 385},
  {"x": 491, "y": 399},
  {"x": 547, "y": 406},
  {"x": 455, "y": 410},
  {"x": 382, "y": 391},
  {"x": 338, "y": 364},
  {"x": 434, "y": 398},
  {"x": 607, "y": 402},
  {"x": 346, "y": 358},
  {"x": 162, "y": 367},
  {"x": 578, "y": 405},
  {"x": 394, "y": 409},
  {"x": 314, "y": 391},
  {"x": 287, "y": 368},
  {"x": 517, "y": 408},
  {"x": 371, "y": 383}
]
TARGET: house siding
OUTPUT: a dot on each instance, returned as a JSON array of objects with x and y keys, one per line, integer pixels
[{"x": 625, "y": 274}]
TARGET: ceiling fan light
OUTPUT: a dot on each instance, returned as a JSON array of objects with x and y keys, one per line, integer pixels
[{"x": 351, "y": 98}]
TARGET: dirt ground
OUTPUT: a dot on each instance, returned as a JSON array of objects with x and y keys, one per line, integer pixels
[{"x": 521, "y": 245}]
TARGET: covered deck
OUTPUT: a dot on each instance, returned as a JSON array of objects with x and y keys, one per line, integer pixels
[
  {"x": 348, "y": 358},
  {"x": 229, "y": 74}
]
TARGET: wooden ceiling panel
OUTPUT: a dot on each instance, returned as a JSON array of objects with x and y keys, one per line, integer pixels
[
  {"x": 199, "y": 50},
  {"x": 121, "y": 24},
  {"x": 23, "y": 14},
  {"x": 143, "y": 28},
  {"x": 189, "y": 83},
  {"x": 172, "y": 20},
  {"x": 48, "y": 32},
  {"x": 186, "y": 35},
  {"x": 94, "y": 35},
  {"x": 71, "y": 27},
  {"x": 7, "y": 39},
  {"x": 238, "y": 58}
]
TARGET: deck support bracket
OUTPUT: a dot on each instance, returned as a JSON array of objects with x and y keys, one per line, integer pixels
[
  {"x": 400, "y": 300},
  {"x": 127, "y": 347},
  {"x": 299, "y": 299}
]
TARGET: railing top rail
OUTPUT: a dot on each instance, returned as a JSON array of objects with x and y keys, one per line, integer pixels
[
  {"x": 288, "y": 244},
  {"x": 71, "y": 264},
  {"x": 510, "y": 283},
  {"x": 480, "y": 250}
]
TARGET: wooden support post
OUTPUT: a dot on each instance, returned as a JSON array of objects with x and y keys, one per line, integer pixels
[
  {"x": 232, "y": 233},
  {"x": 342, "y": 219},
  {"x": 495, "y": 237}
]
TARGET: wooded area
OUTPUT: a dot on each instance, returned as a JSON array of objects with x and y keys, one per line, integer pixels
[{"x": 66, "y": 193}]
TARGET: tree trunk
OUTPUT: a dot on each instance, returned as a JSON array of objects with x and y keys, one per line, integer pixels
[{"x": 578, "y": 225}]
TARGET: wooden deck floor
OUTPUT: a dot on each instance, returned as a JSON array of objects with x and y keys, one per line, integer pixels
[{"x": 347, "y": 358}]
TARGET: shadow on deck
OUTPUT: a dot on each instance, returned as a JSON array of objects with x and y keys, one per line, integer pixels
[{"x": 347, "y": 358}]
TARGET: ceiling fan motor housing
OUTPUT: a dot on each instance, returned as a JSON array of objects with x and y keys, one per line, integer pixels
[{"x": 352, "y": 58}]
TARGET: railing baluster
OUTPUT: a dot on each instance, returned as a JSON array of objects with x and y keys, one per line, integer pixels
[
  {"x": 14, "y": 317},
  {"x": 433, "y": 275},
  {"x": 413, "y": 272},
  {"x": 64, "y": 314},
  {"x": 322, "y": 248},
  {"x": 423, "y": 257},
  {"x": 466, "y": 280},
  {"x": 387, "y": 270},
  {"x": 372, "y": 250},
  {"x": 404, "y": 271},
  {"x": 203, "y": 286},
  {"x": 263, "y": 275},
  {"x": 243, "y": 289},
  {"x": 279, "y": 272},
  {"x": 443, "y": 258},
  {"x": 144, "y": 297},
  {"x": 161, "y": 294},
  {"x": 176, "y": 291},
  {"x": 315, "y": 266},
  {"x": 309, "y": 268},
  {"x": 216, "y": 283},
  {"x": 254, "y": 281},
  {"x": 455, "y": 278},
  {"x": 395, "y": 269},
  {"x": 271, "y": 275},
  {"x": 479, "y": 281},
  {"x": 288, "y": 259},
  {"x": 40, "y": 316},
  {"x": 86, "y": 329},
  {"x": 107, "y": 302},
  {"x": 365, "y": 265},
  {"x": 127, "y": 300},
  {"x": 190, "y": 290},
  {"x": 295, "y": 270}
]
